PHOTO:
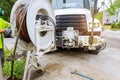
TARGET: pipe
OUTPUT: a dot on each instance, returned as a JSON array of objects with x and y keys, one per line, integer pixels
[{"x": 87, "y": 77}]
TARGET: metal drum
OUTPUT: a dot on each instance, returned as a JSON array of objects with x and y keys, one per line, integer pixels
[{"x": 26, "y": 13}]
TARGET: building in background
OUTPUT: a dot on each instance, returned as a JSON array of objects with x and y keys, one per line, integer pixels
[
  {"x": 108, "y": 19},
  {"x": 118, "y": 14}
]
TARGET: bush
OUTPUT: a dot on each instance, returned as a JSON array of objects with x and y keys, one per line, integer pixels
[
  {"x": 113, "y": 25},
  {"x": 118, "y": 24},
  {"x": 18, "y": 66}
]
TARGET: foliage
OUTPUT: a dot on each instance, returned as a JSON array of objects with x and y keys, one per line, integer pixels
[
  {"x": 113, "y": 7},
  {"x": 115, "y": 25},
  {"x": 6, "y": 5},
  {"x": 18, "y": 66},
  {"x": 107, "y": 27},
  {"x": 118, "y": 24},
  {"x": 116, "y": 4},
  {"x": 99, "y": 16}
]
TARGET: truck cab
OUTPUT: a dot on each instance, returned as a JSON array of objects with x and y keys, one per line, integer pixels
[{"x": 74, "y": 23}]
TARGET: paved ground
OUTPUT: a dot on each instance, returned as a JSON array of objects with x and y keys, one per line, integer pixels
[
  {"x": 9, "y": 42},
  {"x": 104, "y": 66},
  {"x": 1, "y": 76}
]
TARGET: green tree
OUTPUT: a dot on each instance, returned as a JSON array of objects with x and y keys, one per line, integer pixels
[
  {"x": 99, "y": 16},
  {"x": 111, "y": 10},
  {"x": 7, "y": 5},
  {"x": 113, "y": 7},
  {"x": 116, "y": 4}
]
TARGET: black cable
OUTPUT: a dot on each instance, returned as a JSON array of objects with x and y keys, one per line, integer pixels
[{"x": 45, "y": 17}]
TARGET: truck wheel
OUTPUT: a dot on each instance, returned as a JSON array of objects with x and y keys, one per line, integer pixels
[
  {"x": 103, "y": 46},
  {"x": 94, "y": 51}
]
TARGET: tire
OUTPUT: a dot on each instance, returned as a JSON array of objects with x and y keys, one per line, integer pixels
[
  {"x": 94, "y": 51},
  {"x": 103, "y": 46},
  {"x": 59, "y": 48}
]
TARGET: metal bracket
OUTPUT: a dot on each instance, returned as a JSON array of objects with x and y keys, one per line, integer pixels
[{"x": 31, "y": 62}]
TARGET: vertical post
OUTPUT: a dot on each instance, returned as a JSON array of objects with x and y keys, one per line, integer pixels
[
  {"x": 103, "y": 4},
  {"x": 94, "y": 11},
  {"x": 92, "y": 31},
  {"x": 1, "y": 76},
  {"x": 64, "y": 1},
  {"x": 26, "y": 65}
]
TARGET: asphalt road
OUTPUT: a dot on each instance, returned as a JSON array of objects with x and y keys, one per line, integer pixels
[{"x": 58, "y": 65}]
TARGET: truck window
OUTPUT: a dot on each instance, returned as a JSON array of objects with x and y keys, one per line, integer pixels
[{"x": 63, "y": 4}]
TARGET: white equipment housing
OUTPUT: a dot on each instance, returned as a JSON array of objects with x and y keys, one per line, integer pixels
[
  {"x": 40, "y": 36},
  {"x": 35, "y": 19}
]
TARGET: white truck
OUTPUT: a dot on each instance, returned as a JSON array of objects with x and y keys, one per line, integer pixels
[
  {"x": 33, "y": 23},
  {"x": 74, "y": 26}
]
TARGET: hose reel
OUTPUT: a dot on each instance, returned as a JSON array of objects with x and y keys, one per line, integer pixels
[
  {"x": 34, "y": 20},
  {"x": 37, "y": 10}
]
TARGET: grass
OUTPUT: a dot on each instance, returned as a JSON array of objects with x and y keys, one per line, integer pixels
[
  {"x": 18, "y": 66},
  {"x": 115, "y": 29},
  {"x": 108, "y": 27}
]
